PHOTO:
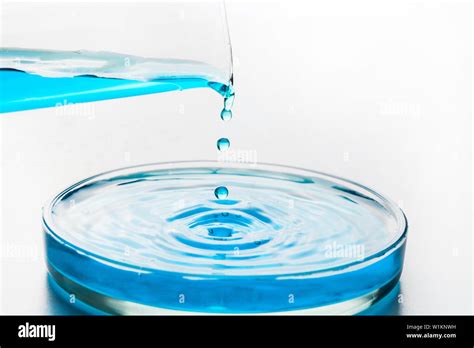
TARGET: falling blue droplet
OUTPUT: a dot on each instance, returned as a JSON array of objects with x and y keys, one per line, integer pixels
[
  {"x": 226, "y": 115},
  {"x": 223, "y": 144},
  {"x": 221, "y": 192}
]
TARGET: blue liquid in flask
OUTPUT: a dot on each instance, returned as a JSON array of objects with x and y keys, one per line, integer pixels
[
  {"x": 32, "y": 79},
  {"x": 154, "y": 239}
]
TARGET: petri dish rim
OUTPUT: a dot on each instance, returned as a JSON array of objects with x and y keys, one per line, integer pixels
[{"x": 395, "y": 211}]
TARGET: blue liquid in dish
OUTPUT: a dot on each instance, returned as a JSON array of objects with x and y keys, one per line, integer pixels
[{"x": 287, "y": 240}]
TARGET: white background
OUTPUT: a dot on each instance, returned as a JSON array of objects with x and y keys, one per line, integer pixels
[{"x": 375, "y": 91}]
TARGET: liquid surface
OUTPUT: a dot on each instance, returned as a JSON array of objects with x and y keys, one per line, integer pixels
[
  {"x": 275, "y": 231},
  {"x": 31, "y": 79}
]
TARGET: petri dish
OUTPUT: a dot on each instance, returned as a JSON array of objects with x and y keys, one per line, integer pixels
[{"x": 156, "y": 239}]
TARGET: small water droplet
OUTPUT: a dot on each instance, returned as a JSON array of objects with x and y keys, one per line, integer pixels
[
  {"x": 223, "y": 144},
  {"x": 221, "y": 192},
  {"x": 226, "y": 115}
]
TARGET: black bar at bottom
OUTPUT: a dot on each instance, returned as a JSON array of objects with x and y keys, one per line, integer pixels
[{"x": 138, "y": 330}]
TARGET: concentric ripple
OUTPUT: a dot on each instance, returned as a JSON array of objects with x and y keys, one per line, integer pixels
[{"x": 276, "y": 234}]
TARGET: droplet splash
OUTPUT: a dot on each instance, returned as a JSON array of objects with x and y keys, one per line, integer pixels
[
  {"x": 221, "y": 192},
  {"x": 223, "y": 144}
]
